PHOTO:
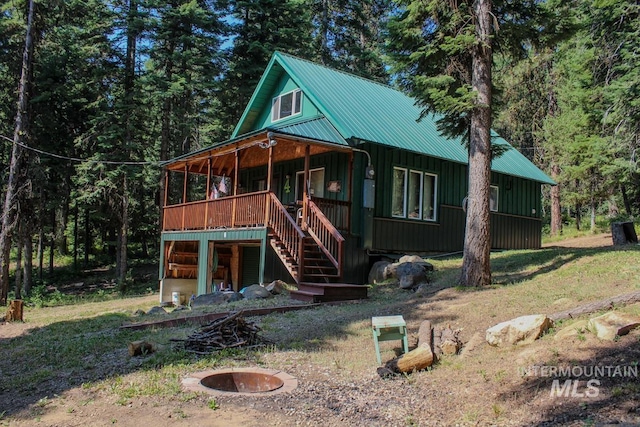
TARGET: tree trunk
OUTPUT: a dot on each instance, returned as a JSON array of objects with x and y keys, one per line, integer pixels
[
  {"x": 19, "y": 262},
  {"x": 578, "y": 216},
  {"x": 87, "y": 238},
  {"x": 21, "y": 124},
  {"x": 476, "y": 269},
  {"x": 593, "y": 215},
  {"x": 625, "y": 198},
  {"x": 28, "y": 262},
  {"x": 14, "y": 313},
  {"x": 556, "y": 208}
]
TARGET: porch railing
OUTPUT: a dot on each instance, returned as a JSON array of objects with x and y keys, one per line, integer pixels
[
  {"x": 287, "y": 230},
  {"x": 244, "y": 210},
  {"x": 338, "y": 212},
  {"x": 326, "y": 235}
]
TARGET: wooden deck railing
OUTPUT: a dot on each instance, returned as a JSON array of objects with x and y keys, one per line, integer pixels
[
  {"x": 285, "y": 227},
  {"x": 245, "y": 210},
  {"x": 261, "y": 209},
  {"x": 338, "y": 212},
  {"x": 325, "y": 235}
]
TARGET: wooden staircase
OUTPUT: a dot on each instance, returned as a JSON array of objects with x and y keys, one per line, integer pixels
[{"x": 316, "y": 269}]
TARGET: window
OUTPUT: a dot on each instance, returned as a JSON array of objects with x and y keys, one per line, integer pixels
[
  {"x": 286, "y": 105},
  {"x": 429, "y": 197},
  {"x": 493, "y": 199},
  {"x": 398, "y": 207},
  {"x": 316, "y": 183},
  {"x": 414, "y": 194}
]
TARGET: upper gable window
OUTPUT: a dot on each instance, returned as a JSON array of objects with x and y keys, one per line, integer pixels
[{"x": 286, "y": 105}]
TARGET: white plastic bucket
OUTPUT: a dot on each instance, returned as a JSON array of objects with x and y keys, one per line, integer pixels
[{"x": 176, "y": 298}]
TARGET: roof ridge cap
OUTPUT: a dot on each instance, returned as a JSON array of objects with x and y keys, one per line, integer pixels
[{"x": 385, "y": 85}]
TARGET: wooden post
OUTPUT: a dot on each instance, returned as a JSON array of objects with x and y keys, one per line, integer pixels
[
  {"x": 14, "y": 313},
  {"x": 235, "y": 190},
  {"x": 164, "y": 205},
  {"x": 305, "y": 189},
  {"x": 184, "y": 192},
  {"x": 267, "y": 206},
  {"x": 206, "y": 193},
  {"x": 350, "y": 191}
]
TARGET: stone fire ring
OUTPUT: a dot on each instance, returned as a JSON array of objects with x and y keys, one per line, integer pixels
[{"x": 255, "y": 382}]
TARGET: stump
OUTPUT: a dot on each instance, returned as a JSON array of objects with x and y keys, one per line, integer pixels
[
  {"x": 14, "y": 313},
  {"x": 432, "y": 344},
  {"x": 139, "y": 348},
  {"x": 623, "y": 233}
]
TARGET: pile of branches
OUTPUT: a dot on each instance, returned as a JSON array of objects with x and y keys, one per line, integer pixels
[{"x": 228, "y": 332}]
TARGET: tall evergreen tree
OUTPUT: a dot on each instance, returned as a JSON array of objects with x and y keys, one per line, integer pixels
[
  {"x": 443, "y": 54},
  {"x": 260, "y": 28},
  {"x": 349, "y": 35}
]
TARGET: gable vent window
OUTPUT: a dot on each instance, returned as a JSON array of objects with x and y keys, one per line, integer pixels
[{"x": 286, "y": 105}]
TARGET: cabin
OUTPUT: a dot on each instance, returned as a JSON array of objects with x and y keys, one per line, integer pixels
[{"x": 324, "y": 174}]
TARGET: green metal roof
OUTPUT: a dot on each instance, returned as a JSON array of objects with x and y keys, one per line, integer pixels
[
  {"x": 318, "y": 128},
  {"x": 363, "y": 110}
]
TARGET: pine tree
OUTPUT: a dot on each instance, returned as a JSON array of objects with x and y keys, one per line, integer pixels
[{"x": 443, "y": 54}]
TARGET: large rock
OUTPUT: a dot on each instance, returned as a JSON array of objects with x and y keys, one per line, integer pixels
[
  {"x": 572, "y": 331},
  {"x": 256, "y": 292},
  {"x": 612, "y": 324},
  {"x": 522, "y": 330},
  {"x": 156, "y": 310},
  {"x": 376, "y": 274},
  {"x": 276, "y": 287},
  {"x": 409, "y": 274},
  {"x": 215, "y": 298}
]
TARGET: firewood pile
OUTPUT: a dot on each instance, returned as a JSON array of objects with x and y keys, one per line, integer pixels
[{"x": 228, "y": 332}]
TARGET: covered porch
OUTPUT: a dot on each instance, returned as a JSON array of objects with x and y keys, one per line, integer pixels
[{"x": 269, "y": 183}]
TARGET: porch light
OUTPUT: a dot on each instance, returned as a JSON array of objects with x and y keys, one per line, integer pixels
[{"x": 270, "y": 143}]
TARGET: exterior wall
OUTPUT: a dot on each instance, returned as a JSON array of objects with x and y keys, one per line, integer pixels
[
  {"x": 516, "y": 224},
  {"x": 307, "y": 109},
  {"x": 186, "y": 287},
  {"x": 244, "y": 235}
]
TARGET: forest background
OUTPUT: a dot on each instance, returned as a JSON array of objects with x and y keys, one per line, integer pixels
[{"x": 115, "y": 87}]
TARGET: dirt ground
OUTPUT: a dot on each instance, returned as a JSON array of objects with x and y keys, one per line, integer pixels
[{"x": 470, "y": 389}]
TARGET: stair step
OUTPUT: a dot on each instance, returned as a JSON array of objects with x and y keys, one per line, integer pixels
[
  {"x": 325, "y": 292},
  {"x": 304, "y": 296}
]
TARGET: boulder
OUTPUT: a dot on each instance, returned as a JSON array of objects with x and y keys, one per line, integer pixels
[
  {"x": 571, "y": 331},
  {"x": 376, "y": 274},
  {"x": 409, "y": 274},
  {"x": 612, "y": 324},
  {"x": 156, "y": 310},
  {"x": 256, "y": 292},
  {"x": 276, "y": 287},
  {"x": 522, "y": 330},
  {"x": 215, "y": 298}
]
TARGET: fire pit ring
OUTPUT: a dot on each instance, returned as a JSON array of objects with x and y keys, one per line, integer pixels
[{"x": 240, "y": 382}]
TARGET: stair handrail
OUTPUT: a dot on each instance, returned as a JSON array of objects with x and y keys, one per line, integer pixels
[
  {"x": 326, "y": 235},
  {"x": 286, "y": 229}
]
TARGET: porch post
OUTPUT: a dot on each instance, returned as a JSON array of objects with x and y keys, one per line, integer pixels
[
  {"x": 270, "y": 168},
  {"x": 184, "y": 192},
  {"x": 206, "y": 193},
  {"x": 305, "y": 190},
  {"x": 235, "y": 190},
  {"x": 267, "y": 205},
  {"x": 166, "y": 198}
]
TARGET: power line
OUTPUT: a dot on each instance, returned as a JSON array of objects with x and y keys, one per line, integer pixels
[{"x": 76, "y": 159}]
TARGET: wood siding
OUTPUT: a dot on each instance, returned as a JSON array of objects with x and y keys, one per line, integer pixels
[{"x": 507, "y": 232}]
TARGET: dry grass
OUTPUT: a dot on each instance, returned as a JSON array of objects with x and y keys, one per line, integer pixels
[{"x": 330, "y": 348}]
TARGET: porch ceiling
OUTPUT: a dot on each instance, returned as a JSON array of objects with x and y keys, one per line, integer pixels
[{"x": 251, "y": 154}]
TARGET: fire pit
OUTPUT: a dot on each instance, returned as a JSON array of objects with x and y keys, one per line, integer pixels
[{"x": 241, "y": 381}]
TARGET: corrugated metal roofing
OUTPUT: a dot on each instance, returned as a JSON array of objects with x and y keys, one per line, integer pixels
[
  {"x": 360, "y": 109},
  {"x": 315, "y": 128}
]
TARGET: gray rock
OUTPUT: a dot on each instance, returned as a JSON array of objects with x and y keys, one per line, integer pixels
[
  {"x": 156, "y": 310},
  {"x": 256, "y": 292},
  {"x": 215, "y": 298},
  {"x": 376, "y": 274},
  {"x": 612, "y": 324}
]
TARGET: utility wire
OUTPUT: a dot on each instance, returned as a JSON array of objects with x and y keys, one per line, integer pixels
[{"x": 75, "y": 159}]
